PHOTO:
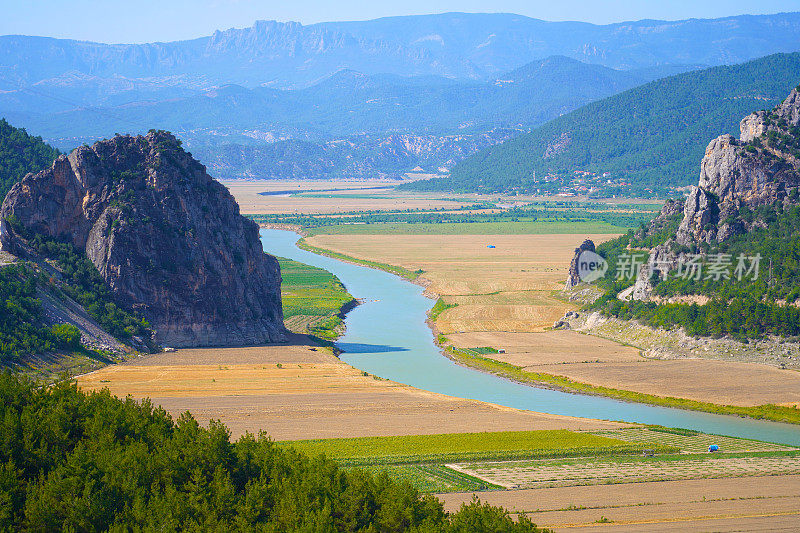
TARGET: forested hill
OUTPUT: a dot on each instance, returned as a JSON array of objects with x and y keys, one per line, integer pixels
[
  {"x": 92, "y": 462},
  {"x": 650, "y": 136},
  {"x": 20, "y": 153}
]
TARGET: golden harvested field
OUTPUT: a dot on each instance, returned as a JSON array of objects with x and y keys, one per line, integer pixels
[
  {"x": 761, "y": 503},
  {"x": 506, "y": 288},
  {"x": 462, "y": 265},
  {"x": 251, "y": 202},
  {"x": 722, "y": 382},
  {"x": 311, "y": 395},
  {"x": 506, "y": 300},
  {"x": 545, "y": 349}
]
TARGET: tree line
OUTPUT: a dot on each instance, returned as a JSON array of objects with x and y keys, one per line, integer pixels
[{"x": 71, "y": 461}]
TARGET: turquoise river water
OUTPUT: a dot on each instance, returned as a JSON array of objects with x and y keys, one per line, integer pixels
[{"x": 387, "y": 336}]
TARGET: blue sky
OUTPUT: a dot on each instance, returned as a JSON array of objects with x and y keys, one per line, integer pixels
[{"x": 166, "y": 20}]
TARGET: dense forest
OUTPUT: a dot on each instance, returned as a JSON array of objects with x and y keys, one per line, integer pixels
[
  {"x": 20, "y": 153},
  {"x": 91, "y": 462},
  {"x": 650, "y": 136},
  {"x": 748, "y": 308}
]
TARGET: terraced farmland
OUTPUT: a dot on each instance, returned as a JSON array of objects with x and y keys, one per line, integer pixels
[{"x": 607, "y": 470}]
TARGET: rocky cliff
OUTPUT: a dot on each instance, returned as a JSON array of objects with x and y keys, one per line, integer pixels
[
  {"x": 761, "y": 168},
  {"x": 167, "y": 239},
  {"x": 573, "y": 276},
  {"x": 737, "y": 178}
]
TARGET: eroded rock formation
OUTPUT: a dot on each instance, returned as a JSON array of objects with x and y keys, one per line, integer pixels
[
  {"x": 573, "y": 277},
  {"x": 737, "y": 177},
  {"x": 166, "y": 237}
]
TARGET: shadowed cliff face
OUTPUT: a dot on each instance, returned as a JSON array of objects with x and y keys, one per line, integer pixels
[{"x": 167, "y": 238}]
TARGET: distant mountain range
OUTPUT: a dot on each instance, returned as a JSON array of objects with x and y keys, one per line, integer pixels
[
  {"x": 649, "y": 137},
  {"x": 349, "y": 125},
  {"x": 347, "y": 103},
  {"x": 284, "y": 95},
  {"x": 456, "y": 45}
]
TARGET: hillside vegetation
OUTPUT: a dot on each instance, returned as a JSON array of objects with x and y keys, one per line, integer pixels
[
  {"x": 22, "y": 327},
  {"x": 78, "y": 462},
  {"x": 20, "y": 153},
  {"x": 651, "y": 136}
]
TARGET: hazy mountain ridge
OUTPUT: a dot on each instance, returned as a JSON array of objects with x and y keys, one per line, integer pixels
[
  {"x": 448, "y": 75},
  {"x": 459, "y": 45},
  {"x": 650, "y": 136},
  {"x": 232, "y": 126}
]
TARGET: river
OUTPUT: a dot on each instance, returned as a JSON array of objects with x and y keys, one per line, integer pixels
[{"x": 387, "y": 336}]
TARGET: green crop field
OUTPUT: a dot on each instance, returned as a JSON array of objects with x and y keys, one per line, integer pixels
[
  {"x": 312, "y": 299},
  {"x": 463, "y": 462},
  {"x": 463, "y": 447},
  {"x": 521, "y": 227},
  {"x": 307, "y": 290},
  {"x": 432, "y": 477}
]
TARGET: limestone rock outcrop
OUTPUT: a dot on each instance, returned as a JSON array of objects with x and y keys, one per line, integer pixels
[
  {"x": 737, "y": 176},
  {"x": 761, "y": 168},
  {"x": 166, "y": 237},
  {"x": 573, "y": 277}
]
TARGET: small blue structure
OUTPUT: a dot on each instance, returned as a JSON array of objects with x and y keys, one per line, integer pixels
[
  {"x": 490, "y": 246},
  {"x": 713, "y": 448}
]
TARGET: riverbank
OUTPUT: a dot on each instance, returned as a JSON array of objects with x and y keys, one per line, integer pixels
[
  {"x": 300, "y": 390},
  {"x": 508, "y": 310},
  {"x": 776, "y": 413}
]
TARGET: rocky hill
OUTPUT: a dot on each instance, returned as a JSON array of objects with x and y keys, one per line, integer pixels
[
  {"x": 166, "y": 238},
  {"x": 725, "y": 260},
  {"x": 738, "y": 177},
  {"x": 758, "y": 169}
]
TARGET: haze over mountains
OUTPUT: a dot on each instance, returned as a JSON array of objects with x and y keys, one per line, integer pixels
[
  {"x": 371, "y": 98},
  {"x": 457, "y": 45}
]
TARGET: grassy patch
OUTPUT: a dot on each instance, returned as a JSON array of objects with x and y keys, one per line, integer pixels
[
  {"x": 308, "y": 290},
  {"x": 775, "y": 413},
  {"x": 392, "y": 269},
  {"x": 432, "y": 477},
  {"x": 313, "y": 299},
  {"x": 440, "y": 307},
  {"x": 464, "y": 447}
]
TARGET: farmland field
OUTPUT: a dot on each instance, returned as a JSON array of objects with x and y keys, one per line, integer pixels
[
  {"x": 247, "y": 194},
  {"x": 462, "y": 446},
  {"x": 751, "y": 503},
  {"x": 507, "y": 297},
  {"x": 539, "y": 227},
  {"x": 607, "y": 470},
  {"x": 312, "y": 299},
  {"x": 521, "y": 459}
]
